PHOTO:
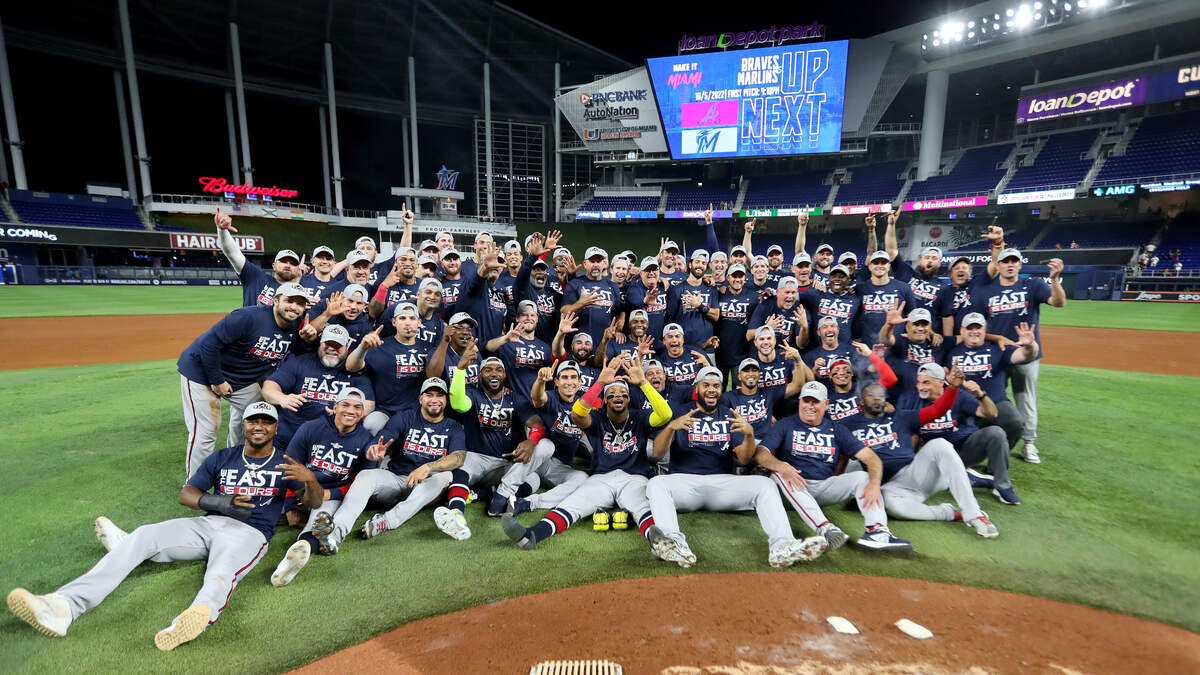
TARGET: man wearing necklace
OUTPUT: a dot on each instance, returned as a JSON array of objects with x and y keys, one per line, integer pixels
[{"x": 250, "y": 484}]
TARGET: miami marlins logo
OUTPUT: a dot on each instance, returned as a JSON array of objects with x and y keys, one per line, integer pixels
[
  {"x": 706, "y": 140},
  {"x": 446, "y": 178}
]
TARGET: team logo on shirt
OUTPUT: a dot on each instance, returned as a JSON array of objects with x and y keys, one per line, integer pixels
[
  {"x": 880, "y": 301},
  {"x": 753, "y": 410},
  {"x": 708, "y": 430},
  {"x": 813, "y": 443},
  {"x": 495, "y": 415},
  {"x": 267, "y": 295},
  {"x": 271, "y": 347},
  {"x": 773, "y": 376},
  {"x": 246, "y": 483},
  {"x": 564, "y": 425},
  {"x": 449, "y": 293},
  {"x": 618, "y": 442},
  {"x": 680, "y": 371},
  {"x": 836, "y": 307},
  {"x": 972, "y": 363},
  {"x": 878, "y": 435},
  {"x": 734, "y": 309},
  {"x": 841, "y": 408},
  {"x": 410, "y": 363},
  {"x": 323, "y": 388},
  {"x": 399, "y": 294},
  {"x": 497, "y": 300},
  {"x": 332, "y": 460},
  {"x": 424, "y": 441},
  {"x": 962, "y": 298},
  {"x": 946, "y": 422},
  {"x": 604, "y": 296},
  {"x": 919, "y": 353},
  {"x": 531, "y": 355},
  {"x": 925, "y": 290},
  {"x": 1009, "y": 301}
]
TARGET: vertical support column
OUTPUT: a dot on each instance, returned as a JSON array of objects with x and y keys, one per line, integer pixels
[
  {"x": 937, "y": 83},
  {"x": 240, "y": 92},
  {"x": 412, "y": 118},
  {"x": 135, "y": 99},
  {"x": 10, "y": 117},
  {"x": 512, "y": 181},
  {"x": 324, "y": 155},
  {"x": 557, "y": 146},
  {"x": 407, "y": 163},
  {"x": 231, "y": 123},
  {"x": 487, "y": 137},
  {"x": 123, "y": 118},
  {"x": 333, "y": 129}
]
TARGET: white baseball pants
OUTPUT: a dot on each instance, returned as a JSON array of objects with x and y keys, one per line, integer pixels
[
  {"x": 936, "y": 467},
  {"x": 832, "y": 490},
  {"x": 604, "y": 491},
  {"x": 388, "y": 488},
  {"x": 676, "y": 492},
  {"x": 202, "y": 415}
]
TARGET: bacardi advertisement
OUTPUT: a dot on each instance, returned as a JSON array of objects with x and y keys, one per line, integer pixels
[
  {"x": 914, "y": 239},
  {"x": 618, "y": 112},
  {"x": 208, "y": 242}
]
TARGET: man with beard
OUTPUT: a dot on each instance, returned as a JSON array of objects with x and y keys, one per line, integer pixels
[
  {"x": 565, "y": 270},
  {"x": 679, "y": 360},
  {"x": 258, "y": 288},
  {"x": 453, "y": 282},
  {"x": 358, "y": 269},
  {"x": 580, "y": 351},
  {"x": 399, "y": 285},
  {"x": 759, "y": 276},
  {"x": 231, "y": 536},
  {"x": 458, "y": 337},
  {"x": 781, "y": 370},
  {"x": 427, "y": 300},
  {"x": 619, "y": 470},
  {"x": 736, "y": 303},
  {"x": 227, "y": 362},
  {"x": 427, "y": 266},
  {"x": 693, "y": 304},
  {"x": 481, "y": 298},
  {"x": 845, "y": 399},
  {"x": 531, "y": 284},
  {"x": 595, "y": 299},
  {"x": 910, "y": 477},
  {"x": 822, "y": 258},
  {"x": 837, "y": 301},
  {"x": 911, "y": 349},
  {"x": 639, "y": 332},
  {"x": 444, "y": 241},
  {"x": 353, "y": 317},
  {"x": 334, "y": 447},
  {"x": 521, "y": 352},
  {"x": 647, "y": 294},
  {"x": 321, "y": 282},
  {"x": 785, "y": 316},
  {"x": 829, "y": 346},
  {"x": 803, "y": 453},
  {"x": 703, "y": 444},
  {"x": 670, "y": 267},
  {"x": 512, "y": 267},
  {"x": 431, "y": 446},
  {"x": 304, "y": 386},
  {"x": 674, "y": 393},
  {"x": 775, "y": 268},
  {"x": 954, "y": 301},
  {"x": 395, "y": 365}
]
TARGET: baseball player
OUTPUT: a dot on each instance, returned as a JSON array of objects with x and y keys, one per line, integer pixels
[
  {"x": 822, "y": 258},
  {"x": 829, "y": 346},
  {"x": 335, "y": 449},
  {"x": 321, "y": 282},
  {"x": 781, "y": 370},
  {"x": 680, "y": 361},
  {"x": 596, "y": 300},
  {"x": 954, "y": 301},
  {"x": 453, "y": 281},
  {"x": 804, "y": 451},
  {"x": 353, "y": 317},
  {"x": 427, "y": 299},
  {"x": 431, "y": 446},
  {"x": 802, "y": 270},
  {"x": 227, "y": 361},
  {"x": 759, "y": 281},
  {"x": 399, "y": 285},
  {"x": 785, "y": 316},
  {"x": 459, "y": 336},
  {"x": 737, "y": 303},
  {"x": 639, "y": 334},
  {"x": 481, "y": 298},
  {"x": 845, "y": 397},
  {"x": 304, "y": 386},
  {"x": 670, "y": 266},
  {"x": 258, "y": 288},
  {"x": 693, "y": 304},
  {"x": 880, "y": 293},
  {"x": 674, "y": 393},
  {"x": 916, "y": 346},
  {"x": 703, "y": 444},
  {"x": 521, "y": 352},
  {"x": 619, "y": 469},
  {"x": 837, "y": 301},
  {"x": 250, "y": 482},
  {"x": 396, "y": 366},
  {"x": 531, "y": 285}
]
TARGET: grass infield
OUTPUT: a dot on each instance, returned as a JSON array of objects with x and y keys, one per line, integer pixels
[{"x": 1103, "y": 523}]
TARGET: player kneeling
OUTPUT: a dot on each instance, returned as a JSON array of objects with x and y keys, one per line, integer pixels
[{"x": 251, "y": 481}]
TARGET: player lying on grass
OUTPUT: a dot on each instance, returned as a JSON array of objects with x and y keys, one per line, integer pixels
[{"x": 250, "y": 482}]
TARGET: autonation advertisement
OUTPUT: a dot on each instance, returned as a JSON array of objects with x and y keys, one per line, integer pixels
[
  {"x": 752, "y": 102},
  {"x": 615, "y": 113}
]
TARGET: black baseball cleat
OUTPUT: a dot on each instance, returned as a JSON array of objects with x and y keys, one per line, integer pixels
[
  {"x": 499, "y": 506},
  {"x": 521, "y": 535}
]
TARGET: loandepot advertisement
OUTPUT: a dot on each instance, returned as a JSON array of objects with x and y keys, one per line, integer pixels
[{"x": 752, "y": 102}]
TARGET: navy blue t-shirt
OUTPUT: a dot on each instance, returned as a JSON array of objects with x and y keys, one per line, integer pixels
[
  {"x": 230, "y": 473},
  {"x": 678, "y": 396},
  {"x": 889, "y": 436},
  {"x": 620, "y": 446},
  {"x": 492, "y": 424},
  {"x": 333, "y": 457},
  {"x": 656, "y": 308},
  {"x": 957, "y": 424},
  {"x": 736, "y": 310},
  {"x": 522, "y": 361},
  {"x": 397, "y": 371},
  {"x": 419, "y": 441},
  {"x": 471, "y": 372},
  {"x": 239, "y": 349},
  {"x": 560, "y": 428},
  {"x": 594, "y": 318},
  {"x": 812, "y": 450},
  {"x": 955, "y": 301},
  {"x": 843, "y": 406},
  {"x": 1005, "y": 307},
  {"x": 697, "y": 329},
  {"x": 321, "y": 289},
  {"x": 258, "y": 286},
  {"x": 706, "y": 447},
  {"x": 845, "y": 308},
  {"x": 775, "y": 373},
  {"x": 924, "y": 291},
  {"x": 986, "y": 365},
  {"x": 487, "y": 304},
  {"x": 452, "y": 292},
  {"x": 674, "y": 278},
  {"x": 320, "y": 386},
  {"x": 876, "y": 301},
  {"x": 756, "y": 407},
  {"x": 430, "y": 331},
  {"x": 844, "y": 350},
  {"x": 790, "y": 327},
  {"x": 682, "y": 369}
]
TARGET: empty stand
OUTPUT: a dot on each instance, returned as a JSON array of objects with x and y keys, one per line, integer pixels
[
  {"x": 1061, "y": 163},
  {"x": 872, "y": 184},
  {"x": 783, "y": 192},
  {"x": 691, "y": 198},
  {"x": 51, "y": 208},
  {"x": 977, "y": 173},
  {"x": 638, "y": 203},
  {"x": 1162, "y": 146}
]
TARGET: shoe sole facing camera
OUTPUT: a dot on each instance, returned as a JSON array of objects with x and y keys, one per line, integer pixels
[
  {"x": 186, "y": 627},
  {"x": 322, "y": 530},
  {"x": 447, "y": 521},
  {"x": 22, "y": 604},
  {"x": 293, "y": 561},
  {"x": 517, "y": 532},
  {"x": 107, "y": 533}
]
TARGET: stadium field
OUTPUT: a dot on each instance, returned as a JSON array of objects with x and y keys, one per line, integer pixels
[{"x": 1100, "y": 525}]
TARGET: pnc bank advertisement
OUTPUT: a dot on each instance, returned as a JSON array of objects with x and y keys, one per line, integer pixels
[{"x": 752, "y": 102}]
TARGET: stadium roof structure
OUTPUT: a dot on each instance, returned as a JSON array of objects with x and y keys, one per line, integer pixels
[{"x": 282, "y": 49}]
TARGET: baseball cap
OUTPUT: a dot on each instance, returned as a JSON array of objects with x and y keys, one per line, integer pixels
[
  {"x": 260, "y": 409},
  {"x": 736, "y": 268},
  {"x": 429, "y": 282},
  {"x": 406, "y": 308},
  {"x": 287, "y": 253},
  {"x": 335, "y": 333},
  {"x": 594, "y": 251},
  {"x": 672, "y": 328},
  {"x": 958, "y": 259},
  {"x": 932, "y": 370},
  {"x": 827, "y": 321},
  {"x": 558, "y": 252},
  {"x": 450, "y": 252},
  {"x": 1004, "y": 255},
  {"x": 719, "y": 255},
  {"x": 840, "y": 268},
  {"x": 481, "y": 235},
  {"x": 463, "y": 317},
  {"x": 919, "y": 314},
  {"x": 639, "y": 314},
  {"x": 786, "y": 282},
  {"x": 815, "y": 390},
  {"x": 738, "y": 249},
  {"x": 774, "y": 248},
  {"x": 763, "y": 329},
  {"x": 357, "y": 256},
  {"x": 491, "y": 361},
  {"x": 427, "y": 260},
  {"x": 567, "y": 365},
  {"x": 529, "y": 239},
  {"x": 626, "y": 254},
  {"x": 801, "y": 258},
  {"x": 709, "y": 373},
  {"x": 879, "y": 255},
  {"x": 355, "y": 292},
  {"x": 759, "y": 260},
  {"x": 406, "y": 251},
  {"x": 648, "y": 262},
  {"x": 848, "y": 255},
  {"x": 668, "y": 245},
  {"x": 428, "y": 243},
  {"x": 539, "y": 262},
  {"x": 364, "y": 240},
  {"x": 322, "y": 249},
  {"x": 526, "y": 306},
  {"x": 581, "y": 337},
  {"x": 443, "y": 233},
  {"x": 650, "y": 364},
  {"x": 698, "y": 253},
  {"x": 434, "y": 383},
  {"x": 347, "y": 392},
  {"x": 824, "y": 247},
  {"x": 837, "y": 361},
  {"x": 291, "y": 290},
  {"x": 512, "y": 246},
  {"x": 748, "y": 363},
  {"x": 935, "y": 249},
  {"x": 974, "y": 319}
]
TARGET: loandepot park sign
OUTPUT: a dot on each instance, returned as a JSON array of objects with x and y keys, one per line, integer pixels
[{"x": 747, "y": 38}]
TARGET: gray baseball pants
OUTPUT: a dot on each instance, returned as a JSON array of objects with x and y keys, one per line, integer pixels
[
  {"x": 1009, "y": 420},
  {"x": 231, "y": 547},
  {"x": 489, "y": 470},
  {"x": 935, "y": 468},
  {"x": 671, "y": 493},
  {"x": 563, "y": 480},
  {"x": 991, "y": 444},
  {"x": 202, "y": 415},
  {"x": 1024, "y": 379},
  {"x": 832, "y": 490},
  {"x": 388, "y": 488},
  {"x": 604, "y": 491}
]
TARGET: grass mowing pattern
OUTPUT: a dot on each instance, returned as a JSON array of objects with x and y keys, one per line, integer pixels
[
  {"x": 1104, "y": 523},
  {"x": 31, "y": 301}
]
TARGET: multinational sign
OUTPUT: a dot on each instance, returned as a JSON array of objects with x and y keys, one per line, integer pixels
[{"x": 221, "y": 186}]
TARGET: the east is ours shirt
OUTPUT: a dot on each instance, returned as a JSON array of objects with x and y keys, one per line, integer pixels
[
  {"x": 987, "y": 365},
  {"x": 736, "y": 309},
  {"x": 845, "y": 308},
  {"x": 560, "y": 428},
  {"x": 955, "y": 301},
  {"x": 320, "y": 386},
  {"x": 756, "y": 407},
  {"x": 956, "y": 425},
  {"x": 522, "y": 361},
  {"x": 774, "y": 374},
  {"x": 843, "y": 406},
  {"x": 333, "y": 457},
  {"x": 228, "y": 472},
  {"x": 594, "y": 318},
  {"x": 656, "y": 309},
  {"x": 258, "y": 287},
  {"x": 397, "y": 371},
  {"x": 697, "y": 329},
  {"x": 682, "y": 369},
  {"x": 491, "y": 423},
  {"x": 924, "y": 291},
  {"x": 321, "y": 289},
  {"x": 620, "y": 446},
  {"x": 471, "y": 371},
  {"x": 707, "y": 447},
  {"x": 877, "y": 300},
  {"x": 239, "y": 349},
  {"x": 787, "y": 330},
  {"x": 889, "y": 436},
  {"x": 419, "y": 441},
  {"x": 1005, "y": 307},
  {"x": 812, "y": 450}
]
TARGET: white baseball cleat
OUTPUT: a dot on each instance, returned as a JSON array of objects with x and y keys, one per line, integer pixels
[
  {"x": 186, "y": 627},
  {"x": 452, "y": 522},
  {"x": 293, "y": 561},
  {"x": 49, "y": 614},
  {"x": 668, "y": 549},
  {"x": 1029, "y": 453},
  {"x": 833, "y": 534},
  {"x": 984, "y": 527},
  {"x": 786, "y": 555},
  {"x": 109, "y": 534}
]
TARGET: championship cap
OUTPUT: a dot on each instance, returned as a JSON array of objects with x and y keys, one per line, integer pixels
[
  {"x": 560, "y": 252},
  {"x": 357, "y": 256},
  {"x": 430, "y": 282},
  {"x": 529, "y": 239},
  {"x": 481, "y": 235},
  {"x": 427, "y": 244},
  {"x": 364, "y": 240},
  {"x": 593, "y": 252},
  {"x": 738, "y": 249},
  {"x": 406, "y": 308},
  {"x": 824, "y": 247},
  {"x": 802, "y": 258},
  {"x": 763, "y": 329},
  {"x": 347, "y": 392},
  {"x": 973, "y": 319},
  {"x": 815, "y": 390},
  {"x": 491, "y": 361},
  {"x": 698, "y": 253},
  {"x": 827, "y": 321},
  {"x": 639, "y": 314},
  {"x": 879, "y": 255},
  {"x": 648, "y": 262},
  {"x": 668, "y": 245},
  {"x": 736, "y": 268},
  {"x": 526, "y": 306},
  {"x": 848, "y": 255},
  {"x": 1004, "y": 255},
  {"x": 434, "y": 383},
  {"x": 567, "y": 365},
  {"x": 539, "y": 262},
  {"x": 786, "y": 282},
  {"x": 709, "y": 373},
  {"x": 841, "y": 268},
  {"x": 322, "y": 249},
  {"x": 463, "y": 317},
  {"x": 407, "y": 251},
  {"x": 511, "y": 246},
  {"x": 671, "y": 329},
  {"x": 775, "y": 248},
  {"x": 837, "y": 361},
  {"x": 355, "y": 292},
  {"x": 719, "y": 255},
  {"x": 961, "y": 258},
  {"x": 450, "y": 252},
  {"x": 935, "y": 250},
  {"x": 759, "y": 260},
  {"x": 443, "y": 233},
  {"x": 651, "y": 364},
  {"x": 336, "y": 333},
  {"x": 581, "y": 337},
  {"x": 919, "y": 314},
  {"x": 748, "y": 363},
  {"x": 628, "y": 255},
  {"x": 260, "y": 409},
  {"x": 932, "y": 370},
  {"x": 291, "y": 290},
  {"x": 427, "y": 260},
  {"x": 287, "y": 253}
]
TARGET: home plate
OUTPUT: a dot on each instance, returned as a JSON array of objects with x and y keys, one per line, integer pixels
[
  {"x": 842, "y": 625},
  {"x": 915, "y": 630}
]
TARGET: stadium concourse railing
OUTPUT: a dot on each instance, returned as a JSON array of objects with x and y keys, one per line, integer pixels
[
  {"x": 220, "y": 201},
  {"x": 120, "y": 275}
]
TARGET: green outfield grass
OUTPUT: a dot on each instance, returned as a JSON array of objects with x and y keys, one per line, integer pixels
[
  {"x": 1106, "y": 522},
  {"x": 1135, "y": 315},
  {"x": 23, "y": 301}
]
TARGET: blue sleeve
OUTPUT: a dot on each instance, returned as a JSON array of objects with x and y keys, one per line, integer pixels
[
  {"x": 570, "y": 293},
  {"x": 909, "y": 300},
  {"x": 758, "y": 318},
  {"x": 298, "y": 448},
  {"x": 674, "y": 300},
  {"x": 774, "y": 437},
  {"x": 396, "y": 426},
  {"x": 710, "y": 240},
  {"x": 251, "y": 276},
  {"x": 901, "y": 270},
  {"x": 1041, "y": 290},
  {"x": 227, "y": 331},
  {"x": 285, "y": 376},
  {"x": 208, "y": 474},
  {"x": 474, "y": 287},
  {"x": 363, "y": 382},
  {"x": 457, "y": 440},
  {"x": 521, "y": 283},
  {"x": 316, "y": 310}
]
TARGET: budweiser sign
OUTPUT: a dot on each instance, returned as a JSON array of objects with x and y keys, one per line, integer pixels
[
  {"x": 208, "y": 242},
  {"x": 220, "y": 185}
]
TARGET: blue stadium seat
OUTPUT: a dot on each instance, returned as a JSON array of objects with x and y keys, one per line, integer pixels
[
  {"x": 872, "y": 184},
  {"x": 1060, "y": 163},
  {"x": 50, "y": 208},
  {"x": 978, "y": 172}
]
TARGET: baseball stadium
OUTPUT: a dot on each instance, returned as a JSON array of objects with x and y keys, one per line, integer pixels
[{"x": 597, "y": 340}]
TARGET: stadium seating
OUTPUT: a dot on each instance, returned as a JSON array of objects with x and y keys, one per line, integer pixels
[
  {"x": 51, "y": 208},
  {"x": 687, "y": 198},
  {"x": 781, "y": 192},
  {"x": 977, "y": 173},
  {"x": 1185, "y": 238},
  {"x": 1018, "y": 239},
  {"x": 1061, "y": 163},
  {"x": 872, "y": 184},
  {"x": 639, "y": 203},
  {"x": 1166, "y": 145},
  {"x": 1089, "y": 233}
]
